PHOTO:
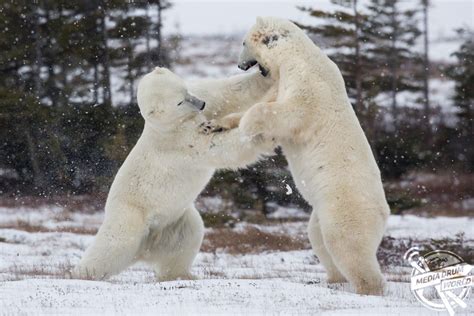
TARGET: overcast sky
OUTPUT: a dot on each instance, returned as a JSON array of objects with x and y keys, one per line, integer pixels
[{"x": 230, "y": 16}]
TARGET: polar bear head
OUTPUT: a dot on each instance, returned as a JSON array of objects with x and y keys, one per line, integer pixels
[
  {"x": 267, "y": 42},
  {"x": 164, "y": 100}
]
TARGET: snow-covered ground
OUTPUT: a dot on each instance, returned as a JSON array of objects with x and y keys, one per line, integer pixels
[{"x": 38, "y": 246}]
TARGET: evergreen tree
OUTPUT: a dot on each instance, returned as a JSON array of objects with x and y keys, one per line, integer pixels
[
  {"x": 160, "y": 56},
  {"x": 394, "y": 32},
  {"x": 462, "y": 72},
  {"x": 426, "y": 65},
  {"x": 56, "y": 116},
  {"x": 343, "y": 30}
]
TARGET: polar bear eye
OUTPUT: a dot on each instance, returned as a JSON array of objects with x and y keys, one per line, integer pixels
[
  {"x": 180, "y": 103},
  {"x": 243, "y": 43}
]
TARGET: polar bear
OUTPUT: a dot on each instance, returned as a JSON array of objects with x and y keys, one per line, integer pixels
[
  {"x": 328, "y": 154},
  {"x": 149, "y": 213}
]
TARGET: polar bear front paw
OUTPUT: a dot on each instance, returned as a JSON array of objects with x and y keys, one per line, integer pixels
[
  {"x": 210, "y": 127},
  {"x": 251, "y": 124}
]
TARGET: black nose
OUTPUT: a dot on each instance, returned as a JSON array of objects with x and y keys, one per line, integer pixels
[
  {"x": 203, "y": 106},
  {"x": 242, "y": 67},
  {"x": 247, "y": 64}
]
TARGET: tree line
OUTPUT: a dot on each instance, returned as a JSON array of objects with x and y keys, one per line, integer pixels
[
  {"x": 68, "y": 116},
  {"x": 375, "y": 46},
  {"x": 59, "y": 129}
]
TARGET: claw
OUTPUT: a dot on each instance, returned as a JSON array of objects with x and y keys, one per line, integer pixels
[{"x": 209, "y": 127}]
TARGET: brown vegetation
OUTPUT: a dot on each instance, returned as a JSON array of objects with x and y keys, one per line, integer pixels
[
  {"x": 77, "y": 203},
  {"x": 28, "y": 227},
  {"x": 249, "y": 240},
  {"x": 445, "y": 194}
]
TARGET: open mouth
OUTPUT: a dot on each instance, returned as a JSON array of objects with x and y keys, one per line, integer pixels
[
  {"x": 249, "y": 64},
  {"x": 263, "y": 71}
]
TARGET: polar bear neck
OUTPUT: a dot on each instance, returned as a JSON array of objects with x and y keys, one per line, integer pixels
[
  {"x": 295, "y": 46},
  {"x": 172, "y": 137}
]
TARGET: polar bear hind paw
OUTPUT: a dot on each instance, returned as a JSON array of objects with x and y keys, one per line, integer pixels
[
  {"x": 331, "y": 279},
  {"x": 173, "y": 277}
]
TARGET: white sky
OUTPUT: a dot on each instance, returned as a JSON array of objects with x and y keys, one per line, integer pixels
[{"x": 233, "y": 16}]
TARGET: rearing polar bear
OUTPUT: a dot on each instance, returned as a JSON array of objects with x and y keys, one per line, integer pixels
[
  {"x": 150, "y": 213},
  {"x": 328, "y": 154}
]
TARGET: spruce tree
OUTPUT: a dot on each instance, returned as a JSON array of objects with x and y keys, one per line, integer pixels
[
  {"x": 343, "y": 30},
  {"x": 393, "y": 31},
  {"x": 462, "y": 72}
]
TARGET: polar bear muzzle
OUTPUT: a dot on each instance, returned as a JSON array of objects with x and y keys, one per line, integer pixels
[
  {"x": 247, "y": 64},
  {"x": 194, "y": 102}
]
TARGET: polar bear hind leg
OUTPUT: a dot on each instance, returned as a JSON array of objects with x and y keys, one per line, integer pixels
[
  {"x": 114, "y": 247},
  {"x": 353, "y": 249},
  {"x": 177, "y": 247},
  {"x": 317, "y": 243}
]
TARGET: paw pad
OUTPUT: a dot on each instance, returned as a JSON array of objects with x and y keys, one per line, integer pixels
[{"x": 209, "y": 127}]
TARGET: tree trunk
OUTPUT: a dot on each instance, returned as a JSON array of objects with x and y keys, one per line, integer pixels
[
  {"x": 38, "y": 56},
  {"x": 51, "y": 82},
  {"x": 394, "y": 66},
  {"x": 262, "y": 192},
  {"x": 362, "y": 106},
  {"x": 357, "y": 74},
  {"x": 107, "y": 95},
  {"x": 38, "y": 179},
  {"x": 160, "y": 56},
  {"x": 95, "y": 90},
  {"x": 426, "y": 70},
  {"x": 64, "y": 83},
  {"x": 129, "y": 71},
  {"x": 147, "y": 38}
]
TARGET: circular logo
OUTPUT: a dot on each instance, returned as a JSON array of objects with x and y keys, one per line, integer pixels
[{"x": 440, "y": 280}]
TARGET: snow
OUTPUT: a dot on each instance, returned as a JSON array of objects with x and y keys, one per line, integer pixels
[
  {"x": 282, "y": 212},
  {"x": 33, "y": 266},
  {"x": 437, "y": 227},
  {"x": 191, "y": 298}
]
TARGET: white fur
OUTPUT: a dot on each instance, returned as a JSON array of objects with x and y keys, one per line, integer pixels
[
  {"x": 328, "y": 154},
  {"x": 150, "y": 213}
]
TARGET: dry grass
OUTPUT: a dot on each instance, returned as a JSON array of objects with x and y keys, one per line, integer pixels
[
  {"x": 391, "y": 250},
  {"x": 250, "y": 240},
  {"x": 58, "y": 271},
  {"x": 76, "y": 203},
  {"x": 434, "y": 194},
  {"x": 31, "y": 228},
  {"x": 211, "y": 273}
]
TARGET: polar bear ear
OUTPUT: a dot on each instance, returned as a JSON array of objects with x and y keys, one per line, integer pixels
[
  {"x": 260, "y": 21},
  {"x": 160, "y": 70}
]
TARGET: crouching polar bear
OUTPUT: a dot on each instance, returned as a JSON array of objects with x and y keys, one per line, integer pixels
[
  {"x": 327, "y": 151},
  {"x": 149, "y": 213}
]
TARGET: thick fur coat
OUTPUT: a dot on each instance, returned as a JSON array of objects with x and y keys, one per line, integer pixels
[
  {"x": 328, "y": 154},
  {"x": 150, "y": 213}
]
